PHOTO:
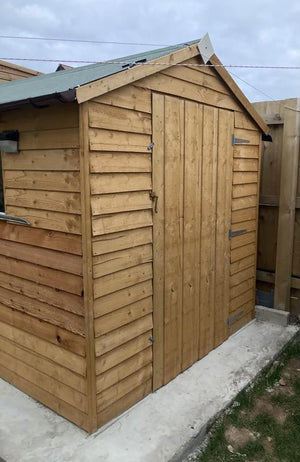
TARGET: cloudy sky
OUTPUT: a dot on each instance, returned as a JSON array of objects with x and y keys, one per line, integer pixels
[{"x": 244, "y": 32}]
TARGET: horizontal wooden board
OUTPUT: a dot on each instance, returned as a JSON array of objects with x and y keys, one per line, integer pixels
[
  {"x": 242, "y": 252},
  {"x": 198, "y": 77},
  {"x": 59, "y": 406},
  {"x": 108, "y": 224},
  {"x": 109, "y": 140},
  {"x": 59, "y": 373},
  {"x": 122, "y": 279},
  {"x": 245, "y": 177},
  {"x": 242, "y": 299},
  {"x": 114, "y": 162},
  {"x": 122, "y": 335},
  {"x": 56, "y": 221},
  {"x": 121, "y": 298},
  {"x": 43, "y": 330},
  {"x": 244, "y": 202},
  {"x": 244, "y": 190},
  {"x": 53, "y": 117},
  {"x": 49, "y": 258},
  {"x": 45, "y": 200},
  {"x": 42, "y": 275},
  {"x": 119, "y": 119},
  {"x": 243, "y": 239},
  {"x": 173, "y": 86},
  {"x": 49, "y": 139},
  {"x": 46, "y": 181},
  {"x": 116, "y": 392},
  {"x": 244, "y": 275},
  {"x": 43, "y": 311},
  {"x": 245, "y": 165},
  {"x": 249, "y": 225},
  {"x": 242, "y": 264},
  {"x": 197, "y": 64},
  {"x": 123, "y": 240},
  {"x": 241, "y": 120},
  {"x": 55, "y": 353},
  {"x": 116, "y": 261},
  {"x": 44, "y": 159},
  {"x": 133, "y": 397},
  {"x": 247, "y": 316},
  {"x": 239, "y": 216},
  {"x": 129, "y": 97},
  {"x": 122, "y": 353},
  {"x": 252, "y": 137},
  {"x": 119, "y": 182},
  {"x": 123, "y": 316},
  {"x": 64, "y": 242},
  {"x": 245, "y": 151},
  {"x": 121, "y": 202},
  {"x": 124, "y": 369},
  {"x": 242, "y": 288},
  {"x": 58, "y": 389},
  {"x": 55, "y": 297}
]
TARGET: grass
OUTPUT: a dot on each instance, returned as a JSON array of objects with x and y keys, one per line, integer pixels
[{"x": 268, "y": 412}]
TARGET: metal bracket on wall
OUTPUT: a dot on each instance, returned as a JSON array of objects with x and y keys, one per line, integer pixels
[
  {"x": 232, "y": 234},
  {"x": 235, "y": 140},
  {"x": 234, "y": 318}
]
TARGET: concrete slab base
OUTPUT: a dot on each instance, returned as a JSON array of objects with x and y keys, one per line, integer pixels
[
  {"x": 165, "y": 426},
  {"x": 271, "y": 315}
]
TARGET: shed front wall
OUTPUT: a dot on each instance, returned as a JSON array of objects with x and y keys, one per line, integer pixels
[
  {"x": 120, "y": 132},
  {"x": 42, "y": 327}
]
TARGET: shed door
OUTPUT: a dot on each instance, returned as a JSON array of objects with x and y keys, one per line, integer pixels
[{"x": 192, "y": 179}]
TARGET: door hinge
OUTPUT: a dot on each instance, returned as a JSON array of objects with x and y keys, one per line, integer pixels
[
  {"x": 232, "y": 234},
  {"x": 234, "y": 318},
  {"x": 235, "y": 140},
  {"x": 154, "y": 199},
  {"x": 150, "y": 146}
]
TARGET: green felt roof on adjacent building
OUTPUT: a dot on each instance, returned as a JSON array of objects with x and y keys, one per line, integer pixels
[{"x": 63, "y": 81}]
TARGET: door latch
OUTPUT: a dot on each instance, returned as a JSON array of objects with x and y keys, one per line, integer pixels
[{"x": 154, "y": 199}]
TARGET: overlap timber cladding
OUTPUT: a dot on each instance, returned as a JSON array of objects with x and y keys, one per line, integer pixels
[
  {"x": 42, "y": 344},
  {"x": 120, "y": 130},
  {"x": 9, "y": 72}
]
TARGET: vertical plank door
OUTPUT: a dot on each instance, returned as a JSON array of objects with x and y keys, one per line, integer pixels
[{"x": 192, "y": 179}]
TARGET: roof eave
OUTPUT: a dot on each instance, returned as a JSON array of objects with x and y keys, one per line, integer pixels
[{"x": 67, "y": 96}]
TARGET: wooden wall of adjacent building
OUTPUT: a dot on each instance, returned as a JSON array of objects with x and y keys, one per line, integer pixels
[
  {"x": 10, "y": 71},
  {"x": 120, "y": 181},
  {"x": 42, "y": 328}
]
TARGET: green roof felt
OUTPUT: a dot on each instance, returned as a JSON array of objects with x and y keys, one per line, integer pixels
[{"x": 58, "y": 82}]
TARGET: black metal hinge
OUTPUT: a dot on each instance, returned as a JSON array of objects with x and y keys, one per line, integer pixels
[
  {"x": 232, "y": 234},
  {"x": 234, "y": 318},
  {"x": 235, "y": 140}
]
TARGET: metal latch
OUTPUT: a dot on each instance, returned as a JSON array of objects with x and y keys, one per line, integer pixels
[
  {"x": 235, "y": 140},
  {"x": 150, "y": 146},
  {"x": 234, "y": 318},
  {"x": 154, "y": 199},
  {"x": 232, "y": 234}
]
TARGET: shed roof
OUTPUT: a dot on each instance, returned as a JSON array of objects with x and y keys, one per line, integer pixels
[
  {"x": 60, "y": 82},
  {"x": 84, "y": 83}
]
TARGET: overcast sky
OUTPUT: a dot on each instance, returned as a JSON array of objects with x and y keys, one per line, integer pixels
[{"x": 249, "y": 32}]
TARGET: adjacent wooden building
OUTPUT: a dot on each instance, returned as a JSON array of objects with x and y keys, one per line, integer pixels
[
  {"x": 139, "y": 179},
  {"x": 10, "y": 72}
]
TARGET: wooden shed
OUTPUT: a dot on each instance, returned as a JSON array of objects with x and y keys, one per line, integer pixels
[
  {"x": 139, "y": 180},
  {"x": 10, "y": 72}
]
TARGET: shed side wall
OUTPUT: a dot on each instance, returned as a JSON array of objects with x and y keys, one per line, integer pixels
[
  {"x": 120, "y": 179},
  {"x": 42, "y": 325}
]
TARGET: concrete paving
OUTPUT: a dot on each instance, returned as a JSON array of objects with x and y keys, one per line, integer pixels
[{"x": 165, "y": 426}]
